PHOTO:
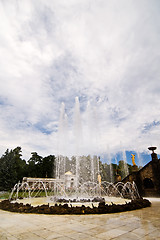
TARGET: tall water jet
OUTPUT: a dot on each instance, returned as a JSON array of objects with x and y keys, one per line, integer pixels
[
  {"x": 126, "y": 171},
  {"x": 77, "y": 127},
  {"x": 78, "y": 137},
  {"x": 89, "y": 131},
  {"x": 111, "y": 168},
  {"x": 92, "y": 170},
  {"x": 62, "y": 142},
  {"x": 140, "y": 163},
  {"x": 116, "y": 161},
  {"x": 62, "y": 131}
]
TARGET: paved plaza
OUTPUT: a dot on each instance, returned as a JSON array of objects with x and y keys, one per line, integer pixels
[{"x": 138, "y": 224}]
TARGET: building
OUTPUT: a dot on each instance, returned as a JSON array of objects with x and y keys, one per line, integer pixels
[
  {"x": 147, "y": 178},
  {"x": 70, "y": 180},
  {"x": 66, "y": 181},
  {"x": 40, "y": 183}
]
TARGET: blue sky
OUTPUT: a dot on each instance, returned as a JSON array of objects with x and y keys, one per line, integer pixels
[
  {"x": 104, "y": 52},
  {"x": 141, "y": 158}
]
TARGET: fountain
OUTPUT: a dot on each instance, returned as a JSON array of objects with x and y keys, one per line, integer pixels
[
  {"x": 95, "y": 202},
  {"x": 77, "y": 180},
  {"x": 65, "y": 186}
]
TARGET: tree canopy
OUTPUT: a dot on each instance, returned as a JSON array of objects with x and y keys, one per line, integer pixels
[{"x": 13, "y": 168}]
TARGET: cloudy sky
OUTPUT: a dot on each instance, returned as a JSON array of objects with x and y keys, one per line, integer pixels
[{"x": 102, "y": 54}]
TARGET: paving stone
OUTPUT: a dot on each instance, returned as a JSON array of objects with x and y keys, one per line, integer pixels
[
  {"x": 111, "y": 234},
  {"x": 139, "y": 224}
]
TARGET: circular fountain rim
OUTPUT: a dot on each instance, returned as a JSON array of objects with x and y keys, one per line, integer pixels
[{"x": 65, "y": 209}]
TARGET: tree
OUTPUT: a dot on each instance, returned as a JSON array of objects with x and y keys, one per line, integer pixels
[
  {"x": 41, "y": 167},
  {"x": 12, "y": 168},
  {"x": 104, "y": 171},
  {"x": 20, "y": 165},
  {"x": 48, "y": 166},
  {"x": 35, "y": 165}
]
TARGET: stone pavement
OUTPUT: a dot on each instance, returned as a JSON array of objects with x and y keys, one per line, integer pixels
[{"x": 138, "y": 224}]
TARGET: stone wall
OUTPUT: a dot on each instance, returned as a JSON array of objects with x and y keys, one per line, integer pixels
[{"x": 147, "y": 179}]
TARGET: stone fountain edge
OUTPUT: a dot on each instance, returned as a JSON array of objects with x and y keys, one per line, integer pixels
[{"x": 62, "y": 209}]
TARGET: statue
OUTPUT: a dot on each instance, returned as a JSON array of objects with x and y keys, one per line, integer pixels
[
  {"x": 99, "y": 179},
  {"x": 133, "y": 159}
]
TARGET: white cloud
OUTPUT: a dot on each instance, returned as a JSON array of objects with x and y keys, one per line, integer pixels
[{"x": 105, "y": 52}]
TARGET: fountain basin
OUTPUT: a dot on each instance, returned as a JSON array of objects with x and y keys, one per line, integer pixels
[
  {"x": 88, "y": 198},
  {"x": 48, "y": 200},
  {"x": 59, "y": 209}
]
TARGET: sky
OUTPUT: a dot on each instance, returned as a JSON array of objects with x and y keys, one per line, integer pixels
[{"x": 80, "y": 77}]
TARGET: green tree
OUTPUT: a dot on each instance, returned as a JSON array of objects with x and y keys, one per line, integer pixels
[
  {"x": 12, "y": 168},
  {"x": 104, "y": 171},
  {"x": 35, "y": 165},
  {"x": 48, "y": 166},
  {"x": 20, "y": 165},
  {"x": 41, "y": 167}
]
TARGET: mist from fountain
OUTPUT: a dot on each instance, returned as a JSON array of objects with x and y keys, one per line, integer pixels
[
  {"x": 79, "y": 146},
  {"x": 77, "y": 137},
  {"x": 110, "y": 166},
  {"x": 62, "y": 139},
  {"x": 140, "y": 162},
  {"x": 126, "y": 171},
  {"x": 62, "y": 131}
]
